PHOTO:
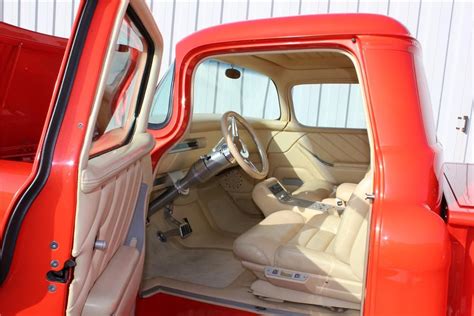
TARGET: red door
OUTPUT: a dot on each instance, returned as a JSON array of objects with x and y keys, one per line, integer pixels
[{"x": 41, "y": 226}]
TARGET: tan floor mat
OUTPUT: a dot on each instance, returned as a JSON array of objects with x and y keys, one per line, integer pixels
[
  {"x": 223, "y": 212},
  {"x": 209, "y": 267}
]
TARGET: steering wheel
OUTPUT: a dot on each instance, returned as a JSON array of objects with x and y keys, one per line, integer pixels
[{"x": 237, "y": 147}]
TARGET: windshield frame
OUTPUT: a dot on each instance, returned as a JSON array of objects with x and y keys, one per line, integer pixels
[{"x": 161, "y": 85}]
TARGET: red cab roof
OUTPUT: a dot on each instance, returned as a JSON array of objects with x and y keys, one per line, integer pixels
[{"x": 320, "y": 25}]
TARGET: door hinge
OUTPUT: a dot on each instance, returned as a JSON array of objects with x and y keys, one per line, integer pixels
[{"x": 63, "y": 275}]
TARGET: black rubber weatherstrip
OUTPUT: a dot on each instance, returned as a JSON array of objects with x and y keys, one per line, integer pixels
[
  {"x": 21, "y": 209},
  {"x": 149, "y": 61}
]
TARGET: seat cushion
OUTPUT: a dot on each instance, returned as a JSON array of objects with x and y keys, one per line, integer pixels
[
  {"x": 260, "y": 243},
  {"x": 345, "y": 190},
  {"x": 343, "y": 194},
  {"x": 315, "y": 190},
  {"x": 303, "y": 259}
]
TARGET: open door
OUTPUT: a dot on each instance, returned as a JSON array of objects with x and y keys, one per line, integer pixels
[
  {"x": 458, "y": 188},
  {"x": 75, "y": 239},
  {"x": 115, "y": 172}
]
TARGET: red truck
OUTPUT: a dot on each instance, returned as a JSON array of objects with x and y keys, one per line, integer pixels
[{"x": 238, "y": 184}]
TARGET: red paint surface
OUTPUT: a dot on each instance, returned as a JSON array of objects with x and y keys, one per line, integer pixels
[
  {"x": 29, "y": 66},
  {"x": 409, "y": 242},
  {"x": 52, "y": 214},
  {"x": 255, "y": 35},
  {"x": 458, "y": 187},
  {"x": 166, "y": 304},
  {"x": 13, "y": 175}
]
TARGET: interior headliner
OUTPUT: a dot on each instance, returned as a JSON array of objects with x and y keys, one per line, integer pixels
[{"x": 314, "y": 66}]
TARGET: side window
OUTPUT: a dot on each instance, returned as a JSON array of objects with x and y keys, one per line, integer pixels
[
  {"x": 162, "y": 101},
  {"x": 220, "y": 87},
  {"x": 116, "y": 116},
  {"x": 337, "y": 105}
]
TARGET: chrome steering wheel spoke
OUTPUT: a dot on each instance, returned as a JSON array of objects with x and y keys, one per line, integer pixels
[{"x": 230, "y": 124}]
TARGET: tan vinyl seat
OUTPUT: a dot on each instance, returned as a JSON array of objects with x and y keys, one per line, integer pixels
[
  {"x": 319, "y": 191},
  {"x": 314, "y": 260},
  {"x": 343, "y": 194},
  {"x": 268, "y": 203}
]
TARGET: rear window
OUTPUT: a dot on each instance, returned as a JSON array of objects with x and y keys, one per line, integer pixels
[{"x": 335, "y": 105}]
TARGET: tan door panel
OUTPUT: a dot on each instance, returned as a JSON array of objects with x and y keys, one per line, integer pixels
[
  {"x": 305, "y": 159},
  {"x": 112, "y": 203}
]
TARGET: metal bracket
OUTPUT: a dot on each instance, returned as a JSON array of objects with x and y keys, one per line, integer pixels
[
  {"x": 462, "y": 123},
  {"x": 370, "y": 196},
  {"x": 63, "y": 275},
  {"x": 175, "y": 176}
]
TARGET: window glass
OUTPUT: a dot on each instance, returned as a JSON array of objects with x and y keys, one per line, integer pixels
[
  {"x": 337, "y": 105},
  {"x": 162, "y": 101},
  {"x": 117, "y": 111},
  {"x": 248, "y": 93}
]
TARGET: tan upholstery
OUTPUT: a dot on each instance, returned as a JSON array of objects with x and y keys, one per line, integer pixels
[
  {"x": 111, "y": 201},
  {"x": 108, "y": 194},
  {"x": 268, "y": 203},
  {"x": 343, "y": 194},
  {"x": 329, "y": 249},
  {"x": 314, "y": 190}
]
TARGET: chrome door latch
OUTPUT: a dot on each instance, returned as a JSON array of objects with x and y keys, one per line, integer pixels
[
  {"x": 370, "y": 196},
  {"x": 462, "y": 123}
]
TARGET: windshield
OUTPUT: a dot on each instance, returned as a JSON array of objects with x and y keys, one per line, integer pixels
[
  {"x": 162, "y": 101},
  {"x": 220, "y": 87}
]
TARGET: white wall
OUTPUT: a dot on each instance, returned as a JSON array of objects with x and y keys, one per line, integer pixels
[{"x": 444, "y": 29}]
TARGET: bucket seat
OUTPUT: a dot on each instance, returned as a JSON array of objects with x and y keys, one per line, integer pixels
[{"x": 317, "y": 259}]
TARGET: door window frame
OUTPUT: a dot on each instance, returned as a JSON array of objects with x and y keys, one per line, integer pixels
[{"x": 136, "y": 105}]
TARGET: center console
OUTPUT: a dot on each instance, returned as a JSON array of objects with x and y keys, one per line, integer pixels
[
  {"x": 271, "y": 196},
  {"x": 286, "y": 198}
]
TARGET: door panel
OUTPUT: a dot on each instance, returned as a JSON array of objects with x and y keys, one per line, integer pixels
[
  {"x": 308, "y": 159},
  {"x": 112, "y": 187},
  {"x": 115, "y": 171}
]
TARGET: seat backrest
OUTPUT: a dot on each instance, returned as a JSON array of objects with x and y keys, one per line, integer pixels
[{"x": 350, "y": 242}]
